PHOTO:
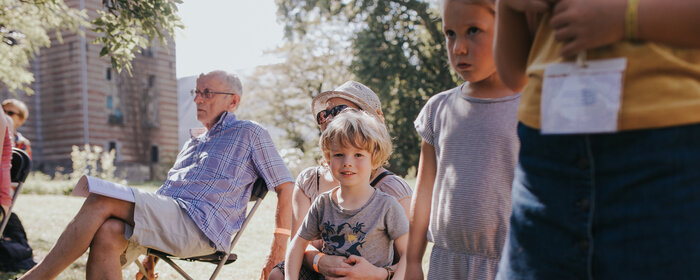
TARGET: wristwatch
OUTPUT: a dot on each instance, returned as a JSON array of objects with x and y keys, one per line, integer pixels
[{"x": 389, "y": 272}]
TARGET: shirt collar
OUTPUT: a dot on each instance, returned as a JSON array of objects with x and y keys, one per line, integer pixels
[{"x": 226, "y": 119}]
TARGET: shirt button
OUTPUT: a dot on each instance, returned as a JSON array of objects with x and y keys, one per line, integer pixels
[
  {"x": 582, "y": 163},
  {"x": 583, "y": 204}
]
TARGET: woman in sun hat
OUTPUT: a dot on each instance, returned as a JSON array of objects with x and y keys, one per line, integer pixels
[{"x": 317, "y": 179}]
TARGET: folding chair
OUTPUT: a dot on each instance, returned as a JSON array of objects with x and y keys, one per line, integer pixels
[
  {"x": 21, "y": 165},
  {"x": 220, "y": 257}
]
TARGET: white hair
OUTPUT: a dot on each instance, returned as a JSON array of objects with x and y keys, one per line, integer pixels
[{"x": 232, "y": 81}]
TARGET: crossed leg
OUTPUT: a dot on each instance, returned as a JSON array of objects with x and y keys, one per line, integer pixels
[{"x": 99, "y": 225}]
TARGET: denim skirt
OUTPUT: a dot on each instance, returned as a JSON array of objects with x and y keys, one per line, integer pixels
[{"x": 606, "y": 206}]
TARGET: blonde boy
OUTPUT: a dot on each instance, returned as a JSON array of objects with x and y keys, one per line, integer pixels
[{"x": 354, "y": 219}]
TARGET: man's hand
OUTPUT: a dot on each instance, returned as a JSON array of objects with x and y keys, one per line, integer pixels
[
  {"x": 279, "y": 247},
  {"x": 359, "y": 268},
  {"x": 586, "y": 24}
]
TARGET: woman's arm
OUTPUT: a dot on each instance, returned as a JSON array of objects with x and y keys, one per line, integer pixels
[
  {"x": 294, "y": 256},
  {"x": 420, "y": 212},
  {"x": 5, "y": 162},
  {"x": 300, "y": 206},
  {"x": 406, "y": 205},
  {"x": 514, "y": 38}
]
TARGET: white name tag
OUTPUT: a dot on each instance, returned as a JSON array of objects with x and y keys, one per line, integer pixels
[{"x": 582, "y": 99}]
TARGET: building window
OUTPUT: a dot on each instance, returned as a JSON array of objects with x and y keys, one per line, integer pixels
[
  {"x": 108, "y": 74},
  {"x": 112, "y": 146},
  {"x": 154, "y": 154}
]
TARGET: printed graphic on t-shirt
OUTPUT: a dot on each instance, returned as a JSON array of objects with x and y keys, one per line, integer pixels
[{"x": 344, "y": 239}]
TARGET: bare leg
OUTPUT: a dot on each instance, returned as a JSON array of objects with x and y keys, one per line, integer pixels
[
  {"x": 106, "y": 247},
  {"x": 79, "y": 233}
]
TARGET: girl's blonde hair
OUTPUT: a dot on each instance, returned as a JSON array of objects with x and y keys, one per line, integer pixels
[
  {"x": 358, "y": 129},
  {"x": 489, "y": 4}
]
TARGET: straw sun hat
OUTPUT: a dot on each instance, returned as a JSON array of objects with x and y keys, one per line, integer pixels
[{"x": 352, "y": 91}]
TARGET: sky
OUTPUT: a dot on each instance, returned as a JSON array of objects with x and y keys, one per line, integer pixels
[{"x": 228, "y": 35}]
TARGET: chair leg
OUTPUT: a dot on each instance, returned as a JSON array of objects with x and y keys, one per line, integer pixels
[
  {"x": 177, "y": 268},
  {"x": 141, "y": 268}
]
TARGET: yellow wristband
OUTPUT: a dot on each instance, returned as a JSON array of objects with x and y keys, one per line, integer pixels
[
  {"x": 284, "y": 231},
  {"x": 631, "y": 19},
  {"x": 317, "y": 258}
]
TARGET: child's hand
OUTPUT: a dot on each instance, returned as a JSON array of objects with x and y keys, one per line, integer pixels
[
  {"x": 528, "y": 6},
  {"x": 586, "y": 24},
  {"x": 329, "y": 264},
  {"x": 359, "y": 268}
]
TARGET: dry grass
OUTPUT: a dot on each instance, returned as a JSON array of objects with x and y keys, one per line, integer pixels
[{"x": 45, "y": 216}]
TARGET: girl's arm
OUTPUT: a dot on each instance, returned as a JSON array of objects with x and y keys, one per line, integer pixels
[
  {"x": 400, "y": 268},
  {"x": 514, "y": 38},
  {"x": 420, "y": 213},
  {"x": 295, "y": 254}
]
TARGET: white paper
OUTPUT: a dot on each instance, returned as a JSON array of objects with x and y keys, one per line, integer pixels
[
  {"x": 88, "y": 184},
  {"x": 579, "y": 99}
]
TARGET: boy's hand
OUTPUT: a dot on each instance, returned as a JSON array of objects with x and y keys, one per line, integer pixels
[
  {"x": 328, "y": 264},
  {"x": 359, "y": 268},
  {"x": 528, "y": 6},
  {"x": 586, "y": 24}
]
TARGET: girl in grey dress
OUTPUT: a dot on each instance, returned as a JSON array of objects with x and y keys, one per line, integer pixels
[{"x": 468, "y": 156}]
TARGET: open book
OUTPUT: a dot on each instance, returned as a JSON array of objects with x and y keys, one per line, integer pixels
[{"x": 88, "y": 184}]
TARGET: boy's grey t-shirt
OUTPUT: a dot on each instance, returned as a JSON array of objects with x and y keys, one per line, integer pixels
[{"x": 368, "y": 232}]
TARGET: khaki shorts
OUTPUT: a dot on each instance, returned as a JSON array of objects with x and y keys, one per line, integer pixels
[{"x": 160, "y": 223}]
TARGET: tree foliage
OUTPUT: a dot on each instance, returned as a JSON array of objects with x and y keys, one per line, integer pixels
[
  {"x": 398, "y": 51},
  {"x": 125, "y": 26},
  {"x": 279, "y": 95},
  {"x": 23, "y": 30}
]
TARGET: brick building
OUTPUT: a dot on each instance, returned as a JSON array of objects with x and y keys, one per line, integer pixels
[{"x": 79, "y": 99}]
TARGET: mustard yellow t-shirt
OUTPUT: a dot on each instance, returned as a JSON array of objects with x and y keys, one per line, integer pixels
[{"x": 661, "y": 85}]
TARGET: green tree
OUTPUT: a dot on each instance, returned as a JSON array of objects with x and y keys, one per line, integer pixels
[
  {"x": 399, "y": 52},
  {"x": 126, "y": 26}
]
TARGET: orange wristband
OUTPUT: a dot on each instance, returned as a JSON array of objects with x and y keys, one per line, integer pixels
[
  {"x": 317, "y": 258},
  {"x": 284, "y": 231}
]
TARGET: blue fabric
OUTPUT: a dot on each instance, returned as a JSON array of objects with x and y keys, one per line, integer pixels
[
  {"x": 606, "y": 206},
  {"x": 214, "y": 173}
]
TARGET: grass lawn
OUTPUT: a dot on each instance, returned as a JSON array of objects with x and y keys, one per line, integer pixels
[{"x": 45, "y": 216}]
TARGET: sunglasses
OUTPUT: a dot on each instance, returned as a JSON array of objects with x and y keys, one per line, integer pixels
[
  {"x": 207, "y": 94},
  {"x": 11, "y": 113},
  {"x": 323, "y": 116}
]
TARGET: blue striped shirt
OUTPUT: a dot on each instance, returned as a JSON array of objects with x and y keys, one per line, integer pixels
[{"x": 214, "y": 173}]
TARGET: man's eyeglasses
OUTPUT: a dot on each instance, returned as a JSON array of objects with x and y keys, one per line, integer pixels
[
  {"x": 206, "y": 93},
  {"x": 322, "y": 116}
]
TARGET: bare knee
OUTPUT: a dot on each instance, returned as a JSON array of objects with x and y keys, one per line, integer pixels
[
  {"x": 110, "y": 236},
  {"x": 276, "y": 274},
  {"x": 107, "y": 207}
]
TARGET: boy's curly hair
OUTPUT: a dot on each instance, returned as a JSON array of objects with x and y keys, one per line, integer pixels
[{"x": 358, "y": 129}]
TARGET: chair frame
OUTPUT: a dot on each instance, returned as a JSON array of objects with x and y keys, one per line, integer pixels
[
  {"x": 21, "y": 165},
  {"x": 220, "y": 258}
]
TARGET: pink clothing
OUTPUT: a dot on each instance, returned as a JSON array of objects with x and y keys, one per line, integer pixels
[{"x": 5, "y": 166}]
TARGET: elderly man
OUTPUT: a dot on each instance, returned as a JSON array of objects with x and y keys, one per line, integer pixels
[{"x": 200, "y": 205}]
